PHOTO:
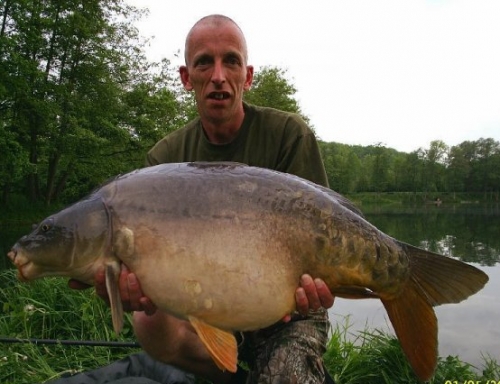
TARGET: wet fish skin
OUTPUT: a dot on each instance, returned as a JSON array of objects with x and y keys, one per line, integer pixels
[{"x": 224, "y": 245}]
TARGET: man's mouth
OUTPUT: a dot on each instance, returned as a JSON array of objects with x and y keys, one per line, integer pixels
[{"x": 219, "y": 95}]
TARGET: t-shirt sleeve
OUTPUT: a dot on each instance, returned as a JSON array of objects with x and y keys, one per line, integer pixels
[{"x": 301, "y": 155}]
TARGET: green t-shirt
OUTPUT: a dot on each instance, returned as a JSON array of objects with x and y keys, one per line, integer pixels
[{"x": 268, "y": 138}]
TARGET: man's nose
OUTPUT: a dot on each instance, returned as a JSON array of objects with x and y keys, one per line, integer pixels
[{"x": 218, "y": 74}]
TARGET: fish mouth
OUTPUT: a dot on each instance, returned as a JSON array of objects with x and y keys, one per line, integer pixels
[{"x": 20, "y": 262}]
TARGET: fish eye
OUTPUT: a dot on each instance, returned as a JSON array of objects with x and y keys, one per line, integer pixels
[{"x": 46, "y": 226}]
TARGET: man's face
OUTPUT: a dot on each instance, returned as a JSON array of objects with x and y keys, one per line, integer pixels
[{"x": 217, "y": 71}]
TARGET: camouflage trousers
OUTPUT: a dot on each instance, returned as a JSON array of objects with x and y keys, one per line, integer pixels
[{"x": 287, "y": 353}]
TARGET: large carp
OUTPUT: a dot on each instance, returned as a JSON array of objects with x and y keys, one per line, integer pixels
[{"x": 223, "y": 245}]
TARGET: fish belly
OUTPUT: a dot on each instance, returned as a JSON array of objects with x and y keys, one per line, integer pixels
[{"x": 231, "y": 277}]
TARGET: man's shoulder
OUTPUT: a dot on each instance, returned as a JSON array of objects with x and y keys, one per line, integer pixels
[
  {"x": 270, "y": 112},
  {"x": 183, "y": 132},
  {"x": 173, "y": 146},
  {"x": 272, "y": 118}
]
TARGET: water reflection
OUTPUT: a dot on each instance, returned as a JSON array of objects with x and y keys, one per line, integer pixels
[{"x": 470, "y": 233}]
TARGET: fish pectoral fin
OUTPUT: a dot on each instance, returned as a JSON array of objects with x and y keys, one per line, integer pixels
[
  {"x": 354, "y": 292},
  {"x": 221, "y": 344},
  {"x": 112, "y": 273}
]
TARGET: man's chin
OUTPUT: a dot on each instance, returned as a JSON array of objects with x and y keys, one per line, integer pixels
[{"x": 219, "y": 114}]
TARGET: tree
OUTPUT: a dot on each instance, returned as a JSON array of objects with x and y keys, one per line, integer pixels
[
  {"x": 380, "y": 168},
  {"x": 486, "y": 165},
  {"x": 271, "y": 88},
  {"x": 434, "y": 160},
  {"x": 459, "y": 167},
  {"x": 76, "y": 81},
  {"x": 342, "y": 166}
]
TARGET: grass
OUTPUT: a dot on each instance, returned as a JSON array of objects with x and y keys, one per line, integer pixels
[
  {"x": 48, "y": 309},
  {"x": 376, "y": 357}
]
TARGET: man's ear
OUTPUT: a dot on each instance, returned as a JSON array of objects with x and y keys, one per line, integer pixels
[
  {"x": 249, "y": 78},
  {"x": 183, "y": 71}
]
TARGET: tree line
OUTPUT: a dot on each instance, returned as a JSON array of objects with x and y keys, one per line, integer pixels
[
  {"x": 470, "y": 167},
  {"x": 80, "y": 102}
]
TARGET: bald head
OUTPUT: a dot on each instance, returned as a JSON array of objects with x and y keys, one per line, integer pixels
[{"x": 215, "y": 22}]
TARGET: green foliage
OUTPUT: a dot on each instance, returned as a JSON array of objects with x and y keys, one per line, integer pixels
[
  {"x": 79, "y": 98},
  {"x": 272, "y": 88},
  {"x": 468, "y": 167}
]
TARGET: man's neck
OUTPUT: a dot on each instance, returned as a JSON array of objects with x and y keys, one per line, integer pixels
[{"x": 218, "y": 132}]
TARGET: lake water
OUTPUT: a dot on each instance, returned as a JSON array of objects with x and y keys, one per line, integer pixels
[{"x": 469, "y": 232}]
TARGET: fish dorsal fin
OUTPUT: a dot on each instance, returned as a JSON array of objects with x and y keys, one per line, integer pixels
[
  {"x": 112, "y": 273},
  {"x": 220, "y": 344}
]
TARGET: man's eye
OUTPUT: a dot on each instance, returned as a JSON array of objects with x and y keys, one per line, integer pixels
[
  {"x": 233, "y": 61},
  {"x": 203, "y": 61}
]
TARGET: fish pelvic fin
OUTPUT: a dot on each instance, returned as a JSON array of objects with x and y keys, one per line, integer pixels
[
  {"x": 221, "y": 345},
  {"x": 112, "y": 273},
  {"x": 434, "y": 280}
]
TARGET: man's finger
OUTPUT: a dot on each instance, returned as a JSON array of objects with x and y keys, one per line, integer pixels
[
  {"x": 309, "y": 286},
  {"x": 134, "y": 292},
  {"x": 148, "y": 306},
  {"x": 301, "y": 302},
  {"x": 325, "y": 296},
  {"x": 123, "y": 286}
]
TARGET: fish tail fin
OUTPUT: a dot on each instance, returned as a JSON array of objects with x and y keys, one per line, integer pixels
[
  {"x": 443, "y": 279},
  {"x": 415, "y": 324},
  {"x": 434, "y": 280}
]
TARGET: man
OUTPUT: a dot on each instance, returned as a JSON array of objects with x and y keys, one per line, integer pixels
[{"x": 229, "y": 130}]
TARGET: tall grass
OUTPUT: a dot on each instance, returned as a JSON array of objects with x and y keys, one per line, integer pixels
[{"x": 47, "y": 309}]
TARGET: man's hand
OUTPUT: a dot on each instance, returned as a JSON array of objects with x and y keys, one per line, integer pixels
[
  {"x": 311, "y": 295},
  {"x": 130, "y": 291}
]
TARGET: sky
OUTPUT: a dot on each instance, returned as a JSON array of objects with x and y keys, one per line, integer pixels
[{"x": 398, "y": 73}]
